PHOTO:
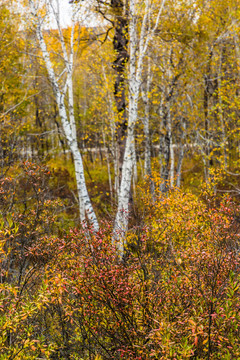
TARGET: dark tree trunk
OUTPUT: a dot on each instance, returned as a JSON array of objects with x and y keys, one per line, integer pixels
[
  {"x": 120, "y": 44},
  {"x": 164, "y": 150}
]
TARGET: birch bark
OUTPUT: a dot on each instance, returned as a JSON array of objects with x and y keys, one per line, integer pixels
[
  {"x": 67, "y": 121},
  {"x": 181, "y": 154},
  {"x": 146, "y": 120},
  {"x": 165, "y": 147},
  {"x": 137, "y": 52}
]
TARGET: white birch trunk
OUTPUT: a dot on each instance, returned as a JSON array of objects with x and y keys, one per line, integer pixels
[
  {"x": 180, "y": 156},
  {"x": 172, "y": 160},
  {"x": 145, "y": 97},
  {"x": 223, "y": 130},
  {"x": 137, "y": 52},
  {"x": 121, "y": 220},
  {"x": 69, "y": 127},
  {"x": 146, "y": 120},
  {"x": 113, "y": 144},
  {"x": 135, "y": 170},
  {"x": 165, "y": 148},
  {"x": 179, "y": 166}
]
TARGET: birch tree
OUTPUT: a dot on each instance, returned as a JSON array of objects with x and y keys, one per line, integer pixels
[
  {"x": 63, "y": 91},
  {"x": 138, "y": 46},
  {"x": 146, "y": 120}
]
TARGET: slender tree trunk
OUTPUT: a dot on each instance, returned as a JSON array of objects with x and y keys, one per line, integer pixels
[
  {"x": 181, "y": 155},
  {"x": 137, "y": 53},
  {"x": 120, "y": 45},
  {"x": 223, "y": 60},
  {"x": 147, "y": 150},
  {"x": 69, "y": 127},
  {"x": 121, "y": 220},
  {"x": 206, "y": 100},
  {"x": 164, "y": 149},
  {"x": 172, "y": 162},
  {"x": 113, "y": 145},
  {"x": 108, "y": 165}
]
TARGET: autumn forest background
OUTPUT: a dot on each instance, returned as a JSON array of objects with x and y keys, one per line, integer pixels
[{"x": 120, "y": 180}]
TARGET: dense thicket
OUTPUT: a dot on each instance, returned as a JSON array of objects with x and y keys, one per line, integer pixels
[{"x": 151, "y": 106}]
